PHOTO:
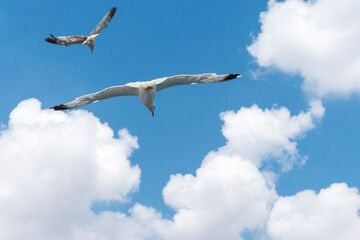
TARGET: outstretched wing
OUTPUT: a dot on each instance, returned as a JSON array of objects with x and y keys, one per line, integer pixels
[
  {"x": 104, "y": 22},
  {"x": 66, "y": 40},
  {"x": 166, "y": 82},
  {"x": 110, "y": 92}
]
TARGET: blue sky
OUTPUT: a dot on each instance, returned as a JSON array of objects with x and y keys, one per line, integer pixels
[{"x": 282, "y": 72}]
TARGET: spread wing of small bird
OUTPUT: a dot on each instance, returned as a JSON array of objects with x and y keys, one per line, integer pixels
[
  {"x": 104, "y": 22},
  {"x": 146, "y": 90},
  {"x": 66, "y": 40},
  {"x": 85, "y": 40}
]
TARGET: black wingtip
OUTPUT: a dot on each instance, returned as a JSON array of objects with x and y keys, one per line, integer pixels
[
  {"x": 52, "y": 36},
  {"x": 112, "y": 12},
  {"x": 60, "y": 107},
  {"x": 50, "y": 40},
  {"x": 232, "y": 76}
]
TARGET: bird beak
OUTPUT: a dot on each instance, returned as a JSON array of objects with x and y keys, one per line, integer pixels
[{"x": 152, "y": 112}]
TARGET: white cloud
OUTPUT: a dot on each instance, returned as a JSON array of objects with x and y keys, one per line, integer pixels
[
  {"x": 227, "y": 195},
  {"x": 53, "y": 165},
  {"x": 141, "y": 223},
  {"x": 318, "y": 39},
  {"x": 260, "y": 135},
  {"x": 332, "y": 214}
]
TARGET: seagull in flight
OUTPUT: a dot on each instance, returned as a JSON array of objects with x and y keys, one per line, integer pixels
[
  {"x": 85, "y": 40},
  {"x": 146, "y": 91}
]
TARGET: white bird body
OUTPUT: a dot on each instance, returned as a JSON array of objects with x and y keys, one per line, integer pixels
[
  {"x": 84, "y": 40},
  {"x": 90, "y": 41},
  {"x": 147, "y": 94},
  {"x": 146, "y": 90}
]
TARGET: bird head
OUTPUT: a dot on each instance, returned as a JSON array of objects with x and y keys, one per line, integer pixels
[{"x": 152, "y": 109}]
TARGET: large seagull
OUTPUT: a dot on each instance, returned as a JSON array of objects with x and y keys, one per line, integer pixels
[
  {"x": 146, "y": 90},
  {"x": 85, "y": 40}
]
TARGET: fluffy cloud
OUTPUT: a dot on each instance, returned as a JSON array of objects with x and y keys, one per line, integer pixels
[
  {"x": 53, "y": 165},
  {"x": 260, "y": 135},
  {"x": 318, "y": 39},
  {"x": 229, "y": 194},
  {"x": 141, "y": 223},
  {"x": 330, "y": 214}
]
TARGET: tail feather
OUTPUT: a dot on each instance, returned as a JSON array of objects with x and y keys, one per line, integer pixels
[
  {"x": 50, "y": 40},
  {"x": 91, "y": 46}
]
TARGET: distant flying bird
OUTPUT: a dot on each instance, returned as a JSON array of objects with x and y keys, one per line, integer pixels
[
  {"x": 85, "y": 40},
  {"x": 145, "y": 90}
]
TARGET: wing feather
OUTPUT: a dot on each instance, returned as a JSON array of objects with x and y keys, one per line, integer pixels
[
  {"x": 166, "y": 82},
  {"x": 110, "y": 92},
  {"x": 66, "y": 40},
  {"x": 104, "y": 22}
]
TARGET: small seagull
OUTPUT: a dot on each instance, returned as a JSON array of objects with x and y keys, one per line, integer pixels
[
  {"x": 85, "y": 40},
  {"x": 146, "y": 90}
]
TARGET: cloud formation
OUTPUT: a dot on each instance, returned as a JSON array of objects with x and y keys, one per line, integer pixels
[
  {"x": 55, "y": 164},
  {"x": 317, "y": 39},
  {"x": 227, "y": 196},
  {"x": 332, "y": 214},
  {"x": 261, "y": 135}
]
